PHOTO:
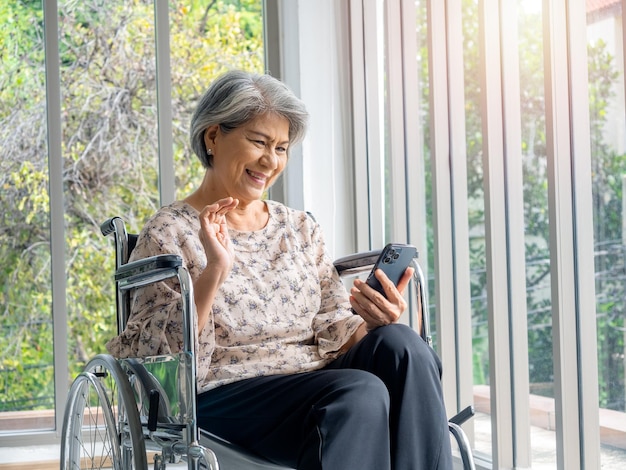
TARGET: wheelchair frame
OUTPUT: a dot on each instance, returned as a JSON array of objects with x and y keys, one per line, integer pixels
[{"x": 117, "y": 411}]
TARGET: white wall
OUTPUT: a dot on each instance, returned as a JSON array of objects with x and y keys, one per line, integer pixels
[{"x": 316, "y": 65}]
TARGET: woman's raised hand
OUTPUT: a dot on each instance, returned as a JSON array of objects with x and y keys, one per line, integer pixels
[{"x": 214, "y": 234}]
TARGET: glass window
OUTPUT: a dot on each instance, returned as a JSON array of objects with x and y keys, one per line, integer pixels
[
  {"x": 608, "y": 142},
  {"x": 110, "y": 164},
  {"x": 26, "y": 354},
  {"x": 608, "y": 160},
  {"x": 109, "y": 129},
  {"x": 537, "y": 236},
  {"x": 476, "y": 224},
  {"x": 224, "y": 35}
]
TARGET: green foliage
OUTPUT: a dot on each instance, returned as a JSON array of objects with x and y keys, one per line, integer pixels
[
  {"x": 110, "y": 166},
  {"x": 225, "y": 36},
  {"x": 608, "y": 171}
]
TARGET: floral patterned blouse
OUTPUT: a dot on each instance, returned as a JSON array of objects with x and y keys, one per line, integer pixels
[{"x": 282, "y": 310}]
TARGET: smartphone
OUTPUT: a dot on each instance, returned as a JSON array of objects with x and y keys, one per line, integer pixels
[{"x": 393, "y": 260}]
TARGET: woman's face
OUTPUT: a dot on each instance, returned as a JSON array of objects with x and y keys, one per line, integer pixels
[{"x": 247, "y": 160}]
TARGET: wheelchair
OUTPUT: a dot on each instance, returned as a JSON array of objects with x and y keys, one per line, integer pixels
[{"x": 129, "y": 414}]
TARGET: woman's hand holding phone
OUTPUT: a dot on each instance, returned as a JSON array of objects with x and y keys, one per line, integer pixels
[{"x": 379, "y": 300}]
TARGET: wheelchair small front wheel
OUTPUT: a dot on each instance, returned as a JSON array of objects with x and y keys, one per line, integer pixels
[{"x": 101, "y": 426}]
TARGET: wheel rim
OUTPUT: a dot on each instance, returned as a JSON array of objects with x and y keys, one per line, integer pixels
[
  {"x": 91, "y": 440},
  {"x": 101, "y": 426}
]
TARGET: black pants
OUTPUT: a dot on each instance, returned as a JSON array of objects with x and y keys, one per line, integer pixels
[{"x": 379, "y": 406}]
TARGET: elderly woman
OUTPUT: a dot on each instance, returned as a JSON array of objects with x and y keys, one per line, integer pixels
[{"x": 285, "y": 367}]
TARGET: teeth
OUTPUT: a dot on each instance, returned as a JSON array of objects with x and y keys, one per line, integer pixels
[{"x": 257, "y": 175}]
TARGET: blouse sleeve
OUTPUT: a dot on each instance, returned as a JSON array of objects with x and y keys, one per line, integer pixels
[
  {"x": 155, "y": 326},
  {"x": 334, "y": 323}
]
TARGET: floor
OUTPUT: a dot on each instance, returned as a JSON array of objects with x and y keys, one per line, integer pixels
[
  {"x": 543, "y": 447},
  {"x": 542, "y": 443}
]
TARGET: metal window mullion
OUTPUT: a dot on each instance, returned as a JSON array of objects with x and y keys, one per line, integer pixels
[
  {"x": 623, "y": 61},
  {"x": 272, "y": 48},
  {"x": 397, "y": 131},
  {"x": 442, "y": 195},
  {"x": 462, "y": 318},
  {"x": 413, "y": 136},
  {"x": 290, "y": 73},
  {"x": 373, "y": 52},
  {"x": 414, "y": 177},
  {"x": 564, "y": 321},
  {"x": 167, "y": 175},
  {"x": 513, "y": 173},
  {"x": 272, "y": 45},
  {"x": 57, "y": 209},
  {"x": 494, "y": 183},
  {"x": 396, "y": 124},
  {"x": 359, "y": 126},
  {"x": 583, "y": 233}
]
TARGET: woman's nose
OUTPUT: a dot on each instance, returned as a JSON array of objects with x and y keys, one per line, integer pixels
[{"x": 269, "y": 158}]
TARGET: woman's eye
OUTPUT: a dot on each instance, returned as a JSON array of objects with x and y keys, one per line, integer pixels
[{"x": 281, "y": 149}]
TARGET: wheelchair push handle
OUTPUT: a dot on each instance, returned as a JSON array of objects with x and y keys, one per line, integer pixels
[
  {"x": 463, "y": 415},
  {"x": 109, "y": 226}
]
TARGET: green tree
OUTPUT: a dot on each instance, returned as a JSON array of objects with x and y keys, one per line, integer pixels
[
  {"x": 109, "y": 124},
  {"x": 608, "y": 169}
]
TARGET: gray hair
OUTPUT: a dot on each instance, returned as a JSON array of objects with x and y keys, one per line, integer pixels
[{"x": 236, "y": 98}]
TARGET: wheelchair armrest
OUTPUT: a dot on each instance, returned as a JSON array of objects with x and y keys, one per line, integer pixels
[
  {"x": 148, "y": 270},
  {"x": 360, "y": 263},
  {"x": 356, "y": 263}
]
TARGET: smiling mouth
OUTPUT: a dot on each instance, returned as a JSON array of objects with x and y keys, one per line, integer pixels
[{"x": 259, "y": 177}]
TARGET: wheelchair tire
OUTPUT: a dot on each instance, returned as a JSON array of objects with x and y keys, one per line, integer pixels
[{"x": 101, "y": 426}]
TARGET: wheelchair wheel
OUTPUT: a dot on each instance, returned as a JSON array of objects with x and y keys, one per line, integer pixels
[{"x": 101, "y": 427}]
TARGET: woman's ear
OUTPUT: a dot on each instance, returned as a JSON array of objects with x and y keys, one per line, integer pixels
[{"x": 209, "y": 135}]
